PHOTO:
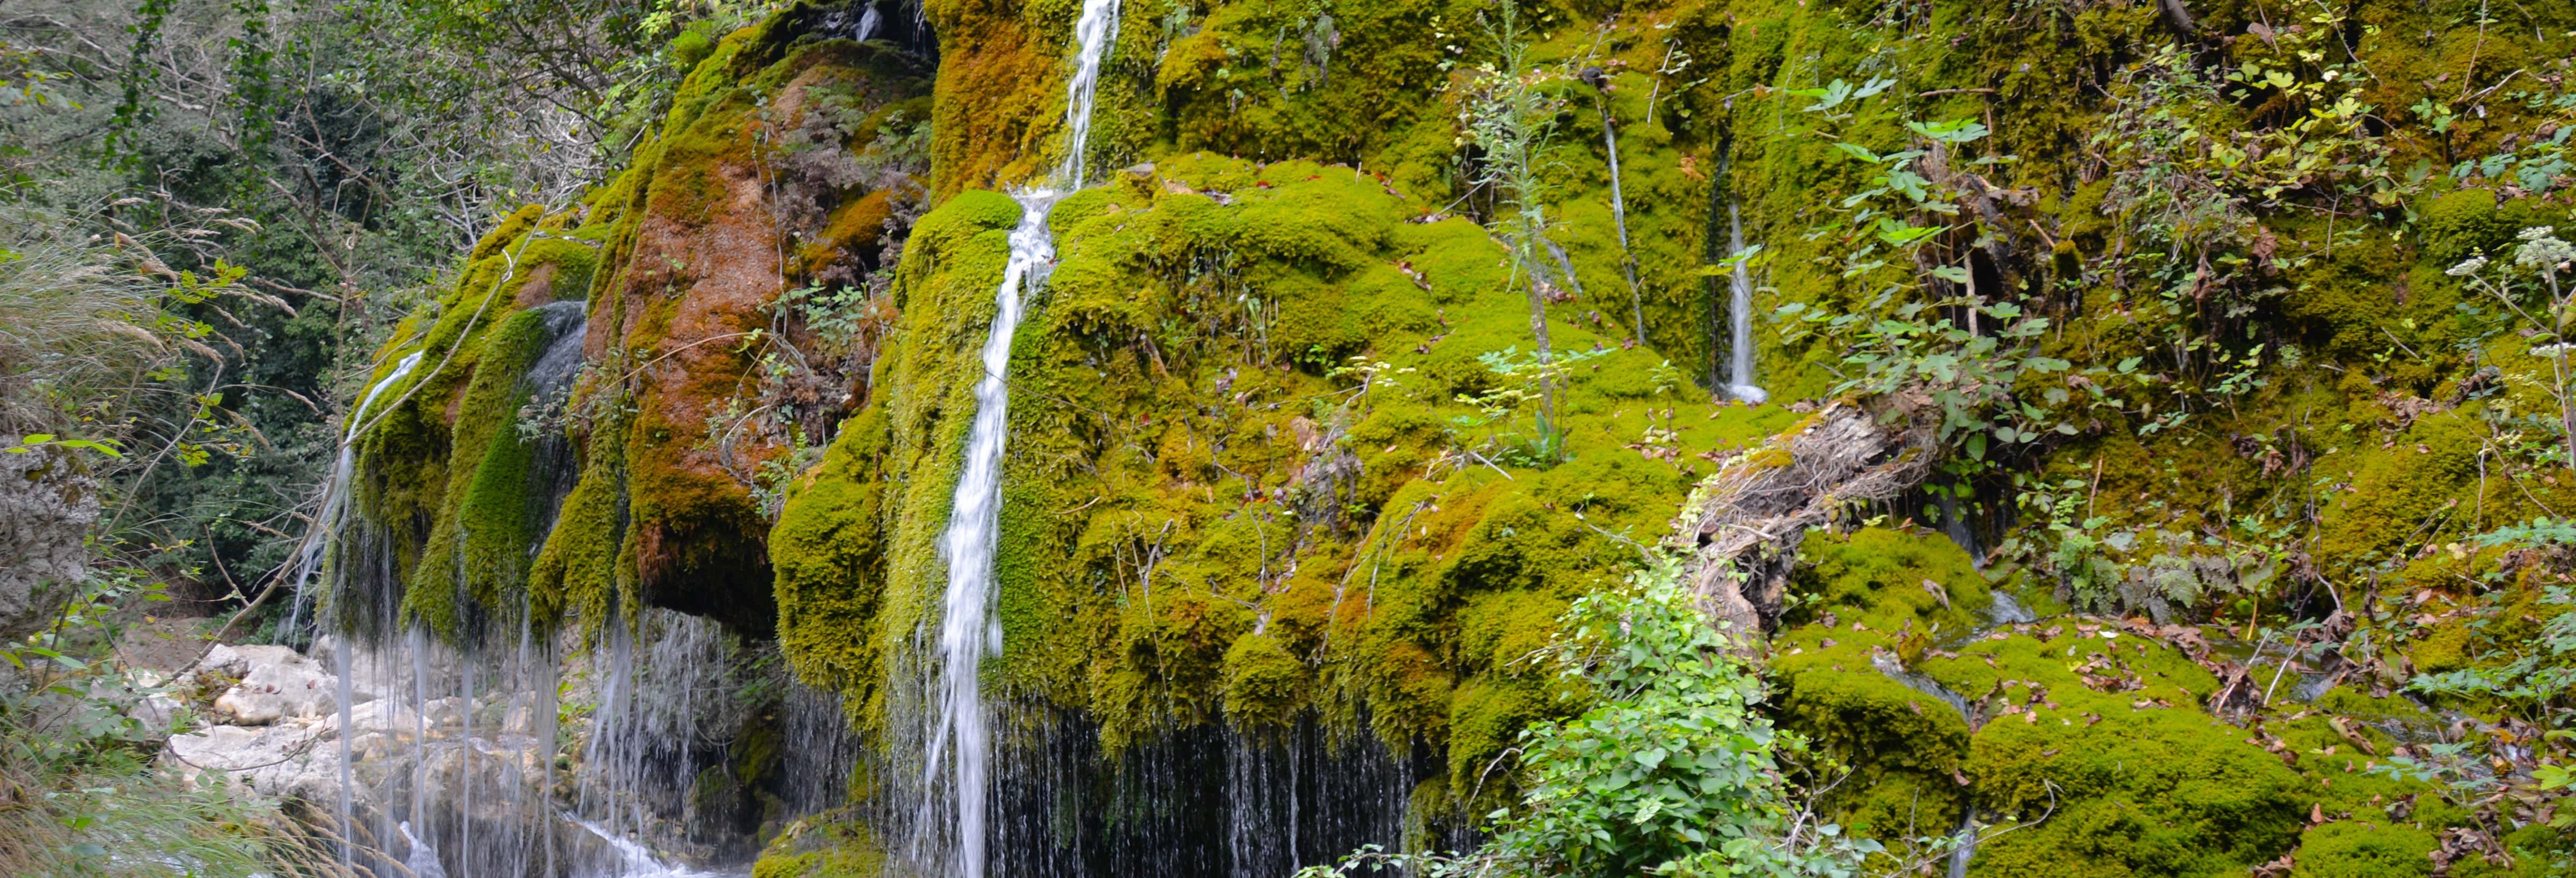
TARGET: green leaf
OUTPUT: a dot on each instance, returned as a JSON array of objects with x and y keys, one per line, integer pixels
[
  {"x": 1857, "y": 151},
  {"x": 99, "y": 446},
  {"x": 1954, "y": 131},
  {"x": 1901, "y": 235}
]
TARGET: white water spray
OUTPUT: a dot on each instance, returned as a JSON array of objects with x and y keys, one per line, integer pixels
[
  {"x": 334, "y": 501},
  {"x": 1739, "y": 371},
  {"x": 335, "y": 496},
  {"x": 960, "y": 739}
]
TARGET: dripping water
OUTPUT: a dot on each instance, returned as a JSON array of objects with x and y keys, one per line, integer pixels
[
  {"x": 334, "y": 502},
  {"x": 956, "y": 771},
  {"x": 1739, "y": 283},
  {"x": 868, "y": 22},
  {"x": 335, "y": 494},
  {"x": 1205, "y": 800},
  {"x": 518, "y": 752}
]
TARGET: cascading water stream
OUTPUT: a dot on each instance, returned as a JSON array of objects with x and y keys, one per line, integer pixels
[
  {"x": 1739, "y": 372},
  {"x": 960, "y": 745},
  {"x": 334, "y": 500},
  {"x": 507, "y": 751},
  {"x": 335, "y": 495}
]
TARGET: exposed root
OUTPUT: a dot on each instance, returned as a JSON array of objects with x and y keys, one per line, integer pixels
[{"x": 1744, "y": 522}]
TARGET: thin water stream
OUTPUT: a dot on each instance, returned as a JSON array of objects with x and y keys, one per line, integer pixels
[
  {"x": 957, "y": 764},
  {"x": 1739, "y": 283}
]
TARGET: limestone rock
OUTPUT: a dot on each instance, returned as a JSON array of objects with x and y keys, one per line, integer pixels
[
  {"x": 286, "y": 761},
  {"x": 47, "y": 504},
  {"x": 276, "y": 683}
]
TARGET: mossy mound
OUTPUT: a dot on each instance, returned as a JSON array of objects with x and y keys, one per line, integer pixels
[
  {"x": 831, "y": 845},
  {"x": 2101, "y": 731},
  {"x": 2365, "y": 850},
  {"x": 1241, "y": 484},
  {"x": 442, "y": 446},
  {"x": 1904, "y": 745},
  {"x": 1891, "y": 580},
  {"x": 1277, "y": 458}
]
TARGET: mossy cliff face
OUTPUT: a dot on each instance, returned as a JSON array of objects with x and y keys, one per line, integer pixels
[
  {"x": 1274, "y": 454},
  {"x": 682, "y": 260},
  {"x": 1212, "y": 511},
  {"x": 422, "y": 463}
]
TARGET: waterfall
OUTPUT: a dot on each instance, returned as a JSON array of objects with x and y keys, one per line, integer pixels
[
  {"x": 518, "y": 752},
  {"x": 543, "y": 757},
  {"x": 960, "y": 739},
  {"x": 335, "y": 494},
  {"x": 1097, "y": 28},
  {"x": 1739, "y": 372},
  {"x": 868, "y": 22}
]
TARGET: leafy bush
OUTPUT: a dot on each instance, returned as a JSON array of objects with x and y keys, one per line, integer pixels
[{"x": 1673, "y": 770}]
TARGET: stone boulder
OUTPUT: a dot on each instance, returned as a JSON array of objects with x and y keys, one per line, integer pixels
[
  {"x": 47, "y": 504},
  {"x": 285, "y": 761},
  {"x": 275, "y": 683}
]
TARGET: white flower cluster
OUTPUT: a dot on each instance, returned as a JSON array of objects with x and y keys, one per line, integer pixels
[{"x": 2543, "y": 252}]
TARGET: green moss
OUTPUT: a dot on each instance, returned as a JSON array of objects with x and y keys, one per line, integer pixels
[
  {"x": 1209, "y": 517},
  {"x": 828, "y": 553},
  {"x": 443, "y": 450},
  {"x": 1184, "y": 470},
  {"x": 2348, "y": 849},
  {"x": 2105, "y": 738},
  {"x": 832, "y": 845},
  {"x": 1904, "y": 746},
  {"x": 2462, "y": 224},
  {"x": 1879, "y": 576},
  {"x": 2346, "y": 701},
  {"x": 2429, "y": 469},
  {"x": 478, "y": 547},
  {"x": 582, "y": 571},
  {"x": 1264, "y": 685}
]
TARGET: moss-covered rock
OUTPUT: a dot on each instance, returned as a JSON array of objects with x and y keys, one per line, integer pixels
[
  {"x": 1891, "y": 580},
  {"x": 1277, "y": 462},
  {"x": 2347, "y": 849},
  {"x": 2096, "y": 744}
]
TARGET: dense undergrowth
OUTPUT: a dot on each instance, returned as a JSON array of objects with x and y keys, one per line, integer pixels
[{"x": 93, "y": 368}]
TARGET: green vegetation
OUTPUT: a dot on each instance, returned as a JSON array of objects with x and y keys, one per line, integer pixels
[
  {"x": 1369, "y": 379},
  {"x": 93, "y": 366},
  {"x": 1672, "y": 769}
]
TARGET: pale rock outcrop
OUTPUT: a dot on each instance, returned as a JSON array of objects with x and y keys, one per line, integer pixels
[
  {"x": 47, "y": 504},
  {"x": 276, "y": 683}
]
